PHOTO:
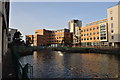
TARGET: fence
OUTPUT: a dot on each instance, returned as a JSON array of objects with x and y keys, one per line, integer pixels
[{"x": 23, "y": 72}]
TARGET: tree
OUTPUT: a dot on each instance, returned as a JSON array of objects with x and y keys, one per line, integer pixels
[
  {"x": 29, "y": 41},
  {"x": 17, "y": 39}
]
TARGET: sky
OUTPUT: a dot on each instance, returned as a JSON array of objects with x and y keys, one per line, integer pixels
[{"x": 30, "y": 16}]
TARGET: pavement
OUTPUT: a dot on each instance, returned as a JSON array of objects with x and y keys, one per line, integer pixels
[{"x": 8, "y": 67}]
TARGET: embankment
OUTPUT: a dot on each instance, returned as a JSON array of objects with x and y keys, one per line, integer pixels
[{"x": 89, "y": 50}]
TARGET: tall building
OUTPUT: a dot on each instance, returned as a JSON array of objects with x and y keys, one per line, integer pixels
[
  {"x": 113, "y": 16},
  {"x": 45, "y": 37},
  {"x": 74, "y": 27},
  {"x": 77, "y": 36},
  {"x": 94, "y": 33},
  {"x": 4, "y": 24},
  {"x": 74, "y": 23}
]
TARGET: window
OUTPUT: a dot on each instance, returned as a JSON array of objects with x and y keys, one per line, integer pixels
[
  {"x": 97, "y": 37},
  {"x": 90, "y": 29},
  {"x": 112, "y": 37},
  {"x": 110, "y": 12},
  {"x": 87, "y": 34},
  {"x": 94, "y": 38},
  {"x": 112, "y": 31},
  {"x": 93, "y": 28},
  {"x": 84, "y": 30},
  {"x": 94, "y": 33},
  {"x": 90, "y": 33},
  {"x": 111, "y": 25},
  {"x": 87, "y": 29},
  {"x": 84, "y": 34},
  {"x": 111, "y": 18},
  {"x": 97, "y": 27},
  {"x": 90, "y": 38},
  {"x": 87, "y": 38},
  {"x": 97, "y": 32}
]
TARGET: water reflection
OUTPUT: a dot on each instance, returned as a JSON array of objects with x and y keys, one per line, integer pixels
[{"x": 55, "y": 64}]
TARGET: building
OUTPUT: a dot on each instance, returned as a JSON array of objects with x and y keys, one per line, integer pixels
[
  {"x": 74, "y": 23},
  {"x": 11, "y": 34},
  {"x": 77, "y": 36},
  {"x": 74, "y": 27},
  {"x": 53, "y": 38},
  {"x": 113, "y": 17},
  {"x": 29, "y": 39},
  {"x": 4, "y": 24},
  {"x": 94, "y": 33}
]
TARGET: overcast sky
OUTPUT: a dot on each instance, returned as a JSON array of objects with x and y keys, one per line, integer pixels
[{"x": 30, "y": 16}]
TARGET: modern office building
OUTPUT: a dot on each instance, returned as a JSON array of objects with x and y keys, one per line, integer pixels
[
  {"x": 74, "y": 27},
  {"x": 53, "y": 38},
  {"x": 113, "y": 17},
  {"x": 94, "y": 33},
  {"x": 4, "y": 24}
]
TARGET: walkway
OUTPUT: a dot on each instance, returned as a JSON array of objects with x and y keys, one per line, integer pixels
[{"x": 8, "y": 68}]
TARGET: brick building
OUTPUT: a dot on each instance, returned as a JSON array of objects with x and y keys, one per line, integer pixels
[{"x": 45, "y": 37}]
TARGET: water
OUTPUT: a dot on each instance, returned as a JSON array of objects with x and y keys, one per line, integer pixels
[{"x": 57, "y": 64}]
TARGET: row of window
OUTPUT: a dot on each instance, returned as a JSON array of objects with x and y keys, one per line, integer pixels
[
  {"x": 56, "y": 41},
  {"x": 87, "y": 34},
  {"x": 56, "y": 38},
  {"x": 55, "y": 35},
  {"x": 94, "y": 38},
  {"x": 96, "y": 22},
  {"x": 90, "y": 43},
  {"x": 90, "y": 29}
]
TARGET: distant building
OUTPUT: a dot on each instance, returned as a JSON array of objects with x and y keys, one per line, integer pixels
[
  {"x": 29, "y": 40},
  {"x": 74, "y": 23},
  {"x": 74, "y": 27},
  {"x": 53, "y": 38},
  {"x": 113, "y": 16},
  {"x": 77, "y": 36},
  {"x": 11, "y": 34},
  {"x": 4, "y": 24},
  {"x": 95, "y": 33}
]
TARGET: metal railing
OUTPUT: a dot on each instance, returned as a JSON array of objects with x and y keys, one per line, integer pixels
[{"x": 23, "y": 72}]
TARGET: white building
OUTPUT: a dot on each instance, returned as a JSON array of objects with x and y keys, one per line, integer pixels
[{"x": 113, "y": 14}]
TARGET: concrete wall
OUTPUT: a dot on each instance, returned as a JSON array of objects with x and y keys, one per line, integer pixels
[
  {"x": 113, "y": 12},
  {"x": 0, "y": 40},
  {"x": 4, "y": 24}
]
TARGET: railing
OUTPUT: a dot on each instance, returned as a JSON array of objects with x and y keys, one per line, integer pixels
[{"x": 23, "y": 72}]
